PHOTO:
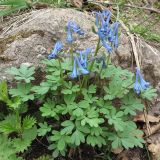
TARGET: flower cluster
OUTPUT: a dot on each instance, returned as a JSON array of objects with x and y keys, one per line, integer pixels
[
  {"x": 140, "y": 83},
  {"x": 108, "y": 33},
  {"x": 80, "y": 57},
  {"x": 73, "y": 27}
]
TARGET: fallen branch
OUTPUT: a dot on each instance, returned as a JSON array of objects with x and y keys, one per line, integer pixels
[{"x": 153, "y": 129}]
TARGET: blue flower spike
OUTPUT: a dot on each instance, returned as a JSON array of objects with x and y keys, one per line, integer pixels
[
  {"x": 83, "y": 70},
  {"x": 57, "y": 48},
  {"x": 143, "y": 83},
  {"x": 75, "y": 71},
  {"x": 140, "y": 83},
  {"x": 137, "y": 86},
  {"x": 105, "y": 16},
  {"x": 69, "y": 36},
  {"x": 107, "y": 46},
  {"x": 75, "y": 28},
  {"x": 84, "y": 56}
]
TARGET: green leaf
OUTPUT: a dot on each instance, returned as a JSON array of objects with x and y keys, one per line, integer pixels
[
  {"x": 28, "y": 122},
  {"x": 7, "y": 150},
  {"x": 60, "y": 140},
  {"x": 69, "y": 99},
  {"x": 30, "y": 134},
  {"x": 21, "y": 144},
  {"x": 48, "y": 109},
  {"x": 77, "y": 138},
  {"x": 83, "y": 104},
  {"x": 9, "y": 125},
  {"x": 61, "y": 145},
  {"x": 92, "y": 88},
  {"x": 128, "y": 138},
  {"x": 44, "y": 128},
  {"x": 24, "y": 73},
  {"x": 69, "y": 126},
  {"x": 149, "y": 94},
  {"x": 131, "y": 105},
  {"x": 66, "y": 91},
  {"x": 22, "y": 91},
  {"x": 42, "y": 89},
  {"x": 3, "y": 91},
  {"x": 14, "y": 103},
  {"x": 78, "y": 112},
  {"x": 95, "y": 140},
  {"x": 115, "y": 118}
]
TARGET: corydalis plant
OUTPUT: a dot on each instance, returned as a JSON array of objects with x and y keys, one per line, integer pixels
[{"x": 83, "y": 99}]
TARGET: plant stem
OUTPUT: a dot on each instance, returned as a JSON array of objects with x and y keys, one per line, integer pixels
[
  {"x": 60, "y": 67},
  {"x": 85, "y": 79},
  {"x": 95, "y": 54}
]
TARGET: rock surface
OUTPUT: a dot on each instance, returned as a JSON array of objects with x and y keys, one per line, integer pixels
[{"x": 30, "y": 39}]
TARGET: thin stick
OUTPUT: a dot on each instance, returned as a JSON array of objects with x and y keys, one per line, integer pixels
[{"x": 132, "y": 42}]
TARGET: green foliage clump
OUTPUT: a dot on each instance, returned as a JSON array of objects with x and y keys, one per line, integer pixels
[{"x": 92, "y": 109}]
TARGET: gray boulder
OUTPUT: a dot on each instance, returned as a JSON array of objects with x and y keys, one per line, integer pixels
[{"x": 30, "y": 39}]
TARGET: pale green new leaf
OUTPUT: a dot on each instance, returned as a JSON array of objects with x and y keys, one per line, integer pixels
[
  {"x": 43, "y": 88},
  {"x": 69, "y": 126},
  {"x": 9, "y": 125},
  {"x": 149, "y": 94},
  {"x": 77, "y": 138},
  {"x": 44, "y": 129},
  {"x": 48, "y": 109},
  {"x": 22, "y": 91},
  {"x": 131, "y": 104},
  {"x": 28, "y": 122},
  {"x": 24, "y": 73}
]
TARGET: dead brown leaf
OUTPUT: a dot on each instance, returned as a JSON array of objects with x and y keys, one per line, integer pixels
[{"x": 118, "y": 150}]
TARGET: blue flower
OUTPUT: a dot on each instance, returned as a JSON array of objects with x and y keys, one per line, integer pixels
[
  {"x": 143, "y": 83},
  {"x": 57, "y": 48},
  {"x": 101, "y": 34},
  {"x": 69, "y": 36},
  {"x": 81, "y": 59},
  {"x": 140, "y": 83},
  {"x": 105, "y": 18},
  {"x": 75, "y": 28},
  {"x": 86, "y": 53},
  {"x": 83, "y": 70},
  {"x": 106, "y": 46},
  {"x": 137, "y": 86},
  {"x": 110, "y": 35},
  {"x": 75, "y": 71},
  {"x": 84, "y": 56}
]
